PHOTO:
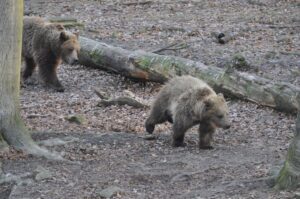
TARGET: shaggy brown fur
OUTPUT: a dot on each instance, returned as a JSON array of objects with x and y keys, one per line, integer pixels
[
  {"x": 45, "y": 45},
  {"x": 187, "y": 101}
]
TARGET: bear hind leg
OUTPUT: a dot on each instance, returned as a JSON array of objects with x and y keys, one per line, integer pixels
[
  {"x": 206, "y": 132},
  {"x": 29, "y": 68}
]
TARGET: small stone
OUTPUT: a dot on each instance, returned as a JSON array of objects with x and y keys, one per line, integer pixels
[
  {"x": 78, "y": 119},
  {"x": 42, "y": 173},
  {"x": 220, "y": 35},
  {"x": 273, "y": 174},
  {"x": 128, "y": 93},
  {"x": 149, "y": 137},
  {"x": 109, "y": 192}
]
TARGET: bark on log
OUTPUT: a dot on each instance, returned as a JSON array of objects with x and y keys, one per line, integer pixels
[{"x": 158, "y": 68}]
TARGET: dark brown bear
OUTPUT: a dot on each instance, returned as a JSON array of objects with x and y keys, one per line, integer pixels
[
  {"x": 187, "y": 101},
  {"x": 46, "y": 45}
]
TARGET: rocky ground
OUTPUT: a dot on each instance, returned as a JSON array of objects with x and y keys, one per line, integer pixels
[{"x": 108, "y": 150}]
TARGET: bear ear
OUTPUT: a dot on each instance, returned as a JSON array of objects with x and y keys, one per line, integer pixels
[
  {"x": 208, "y": 103},
  {"x": 63, "y": 36},
  {"x": 60, "y": 27},
  {"x": 76, "y": 34},
  {"x": 203, "y": 92},
  {"x": 221, "y": 96}
]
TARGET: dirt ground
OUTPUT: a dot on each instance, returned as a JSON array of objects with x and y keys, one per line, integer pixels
[{"x": 108, "y": 149}]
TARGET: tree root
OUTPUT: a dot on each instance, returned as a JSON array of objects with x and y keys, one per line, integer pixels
[
  {"x": 38, "y": 151},
  {"x": 289, "y": 176},
  {"x": 58, "y": 142},
  {"x": 19, "y": 138},
  {"x": 14, "y": 179},
  {"x": 101, "y": 94}
]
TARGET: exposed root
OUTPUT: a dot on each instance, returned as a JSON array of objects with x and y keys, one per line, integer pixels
[
  {"x": 13, "y": 178},
  {"x": 19, "y": 138},
  {"x": 101, "y": 94},
  {"x": 57, "y": 141},
  {"x": 289, "y": 176},
  {"x": 38, "y": 151}
]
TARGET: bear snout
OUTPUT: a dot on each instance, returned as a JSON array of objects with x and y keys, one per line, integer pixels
[
  {"x": 227, "y": 126},
  {"x": 75, "y": 61},
  {"x": 71, "y": 61}
]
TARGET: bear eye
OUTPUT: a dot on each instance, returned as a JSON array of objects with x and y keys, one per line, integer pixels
[{"x": 220, "y": 116}]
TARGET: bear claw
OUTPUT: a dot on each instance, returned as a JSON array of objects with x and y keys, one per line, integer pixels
[{"x": 206, "y": 147}]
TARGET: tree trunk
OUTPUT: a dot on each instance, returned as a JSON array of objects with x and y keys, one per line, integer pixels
[
  {"x": 12, "y": 128},
  {"x": 158, "y": 68},
  {"x": 289, "y": 176}
]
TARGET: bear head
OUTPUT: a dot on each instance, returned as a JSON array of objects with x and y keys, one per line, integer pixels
[
  {"x": 216, "y": 111},
  {"x": 211, "y": 108},
  {"x": 70, "y": 47}
]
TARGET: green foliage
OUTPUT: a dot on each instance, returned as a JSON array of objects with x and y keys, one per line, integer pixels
[
  {"x": 96, "y": 56},
  {"x": 239, "y": 62},
  {"x": 164, "y": 65}
]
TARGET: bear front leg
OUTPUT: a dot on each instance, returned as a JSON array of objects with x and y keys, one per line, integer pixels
[
  {"x": 181, "y": 124},
  {"x": 152, "y": 121},
  {"x": 179, "y": 129},
  {"x": 47, "y": 70},
  {"x": 157, "y": 116},
  {"x": 149, "y": 125},
  {"x": 206, "y": 131},
  {"x": 29, "y": 68}
]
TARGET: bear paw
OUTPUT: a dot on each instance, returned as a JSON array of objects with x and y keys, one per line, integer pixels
[
  {"x": 56, "y": 88},
  {"x": 178, "y": 144},
  {"x": 60, "y": 89},
  {"x": 206, "y": 147}
]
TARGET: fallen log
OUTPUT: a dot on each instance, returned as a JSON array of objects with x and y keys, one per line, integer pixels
[
  {"x": 67, "y": 22},
  {"x": 146, "y": 66}
]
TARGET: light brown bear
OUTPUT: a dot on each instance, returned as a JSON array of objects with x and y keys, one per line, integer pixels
[
  {"x": 46, "y": 45},
  {"x": 187, "y": 101}
]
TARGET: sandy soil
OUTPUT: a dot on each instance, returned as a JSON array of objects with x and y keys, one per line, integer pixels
[{"x": 108, "y": 148}]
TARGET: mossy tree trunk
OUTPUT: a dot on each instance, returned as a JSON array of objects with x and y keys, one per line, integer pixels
[
  {"x": 12, "y": 129},
  {"x": 147, "y": 66},
  {"x": 289, "y": 176}
]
